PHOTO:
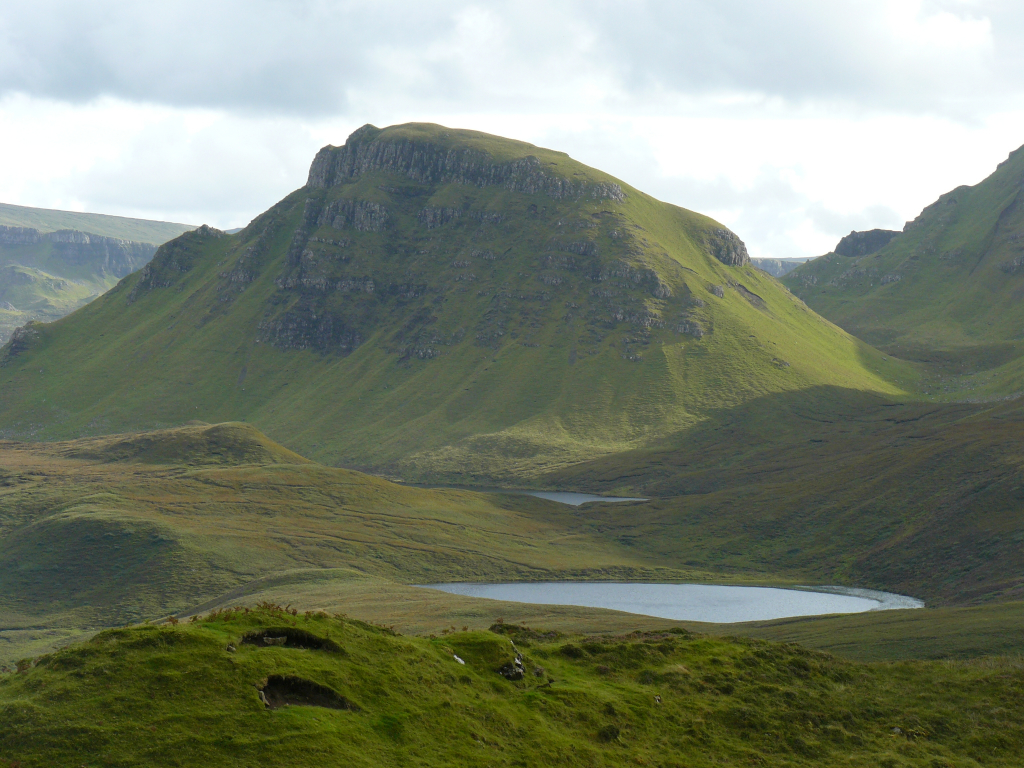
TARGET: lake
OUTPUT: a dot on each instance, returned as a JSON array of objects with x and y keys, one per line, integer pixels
[
  {"x": 690, "y": 602},
  {"x": 575, "y": 499},
  {"x": 562, "y": 497}
]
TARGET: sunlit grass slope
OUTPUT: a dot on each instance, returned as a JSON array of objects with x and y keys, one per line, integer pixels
[
  {"x": 30, "y": 294},
  {"x": 348, "y": 692},
  {"x": 438, "y": 304},
  {"x": 946, "y": 291}
]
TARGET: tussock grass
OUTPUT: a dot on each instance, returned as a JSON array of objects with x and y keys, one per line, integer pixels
[{"x": 177, "y": 695}]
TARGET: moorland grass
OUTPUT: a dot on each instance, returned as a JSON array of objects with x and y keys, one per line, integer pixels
[
  {"x": 189, "y": 694},
  {"x": 101, "y": 531}
]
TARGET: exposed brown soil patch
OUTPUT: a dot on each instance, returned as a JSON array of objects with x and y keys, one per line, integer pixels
[{"x": 285, "y": 690}]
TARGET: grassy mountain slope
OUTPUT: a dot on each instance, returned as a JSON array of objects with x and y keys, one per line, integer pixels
[
  {"x": 49, "y": 220},
  {"x": 28, "y": 294},
  {"x": 346, "y": 691},
  {"x": 438, "y": 303},
  {"x": 945, "y": 291}
]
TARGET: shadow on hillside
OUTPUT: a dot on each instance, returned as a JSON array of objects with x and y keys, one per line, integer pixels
[{"x": 843, "y": 486}]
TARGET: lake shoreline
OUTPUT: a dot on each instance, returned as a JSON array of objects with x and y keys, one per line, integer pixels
[{"x": 707, "y": 603}]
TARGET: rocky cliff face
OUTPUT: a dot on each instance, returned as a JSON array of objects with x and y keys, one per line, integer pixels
[
  {"x": 367, "y": 150},
  {"x": 864, "y": 243},
  {"x": 777, "y": 267},
  {"x": 727, "y": 248},
  {"x": 107, "y": 254}
]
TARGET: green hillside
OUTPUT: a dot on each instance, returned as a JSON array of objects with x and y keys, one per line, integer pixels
[
  {"x": 215, "y": 693},
  {"x": 45, "y": 276},
  {"x": 120, "y": 227},
  {"x": 438, "y": 304},
  {"x": 946, "y": 291}
]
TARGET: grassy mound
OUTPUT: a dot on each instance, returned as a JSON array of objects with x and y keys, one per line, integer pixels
[
  {"x": 194, "y": 445},
  {"x": 194, "y": 694}
]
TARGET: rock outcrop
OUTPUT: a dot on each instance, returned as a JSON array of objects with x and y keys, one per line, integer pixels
[
  {"x": 864, "y": 243},
  {"x": 777, "y": 267},
  {"x": 366, "y": 151},
  {"x": 727, "y": 248}
]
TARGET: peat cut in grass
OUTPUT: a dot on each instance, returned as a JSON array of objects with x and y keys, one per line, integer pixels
[
  {"x": 285, "y": 690},
  {"x": 290, "y": 637}
]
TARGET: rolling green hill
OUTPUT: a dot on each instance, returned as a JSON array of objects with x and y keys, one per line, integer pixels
[
  {"x": 332, "y": 690},
  {"x": 438, "y": 304},
  {"x": 946, "y": 291}
]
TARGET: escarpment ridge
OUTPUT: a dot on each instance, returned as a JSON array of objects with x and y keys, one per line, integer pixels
[
  {"x": 429, "y": 157},
  {"x": 437, "y": 303}
]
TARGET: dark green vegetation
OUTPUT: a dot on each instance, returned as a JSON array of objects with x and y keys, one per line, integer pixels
[
  {"x": 190, "y": 695},
  {"x": 946, "y": 291},
  {"x": 48, "y": 269},
  {"x": 438, "y": 304},
  {"x": 992, "y": 629}
]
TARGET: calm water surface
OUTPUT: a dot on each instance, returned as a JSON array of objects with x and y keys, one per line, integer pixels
[
  {"x": 690, "y": 602},
  {"x": 564, "y": 497}
]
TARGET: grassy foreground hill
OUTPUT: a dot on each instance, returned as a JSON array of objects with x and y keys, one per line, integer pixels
[
  {"x": 945, "y": 291},
  {"x": 438, "y": 303},
  {"x": 214, "y": 692}
]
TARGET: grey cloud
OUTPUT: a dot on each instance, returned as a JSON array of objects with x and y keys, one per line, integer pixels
[{"x": 315, "y": 57}]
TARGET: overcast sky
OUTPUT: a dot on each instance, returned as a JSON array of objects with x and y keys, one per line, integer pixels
[{"x": 791, "y": 121}]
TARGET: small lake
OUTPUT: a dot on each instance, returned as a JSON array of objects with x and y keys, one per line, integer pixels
[
  {"x": 562, "y": 497},
  {"x": 690, "y": 602},
  {"x": 575, "y": 499}
]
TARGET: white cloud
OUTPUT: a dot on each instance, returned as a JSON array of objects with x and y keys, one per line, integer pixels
[{"x": 790, "y": 121}]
